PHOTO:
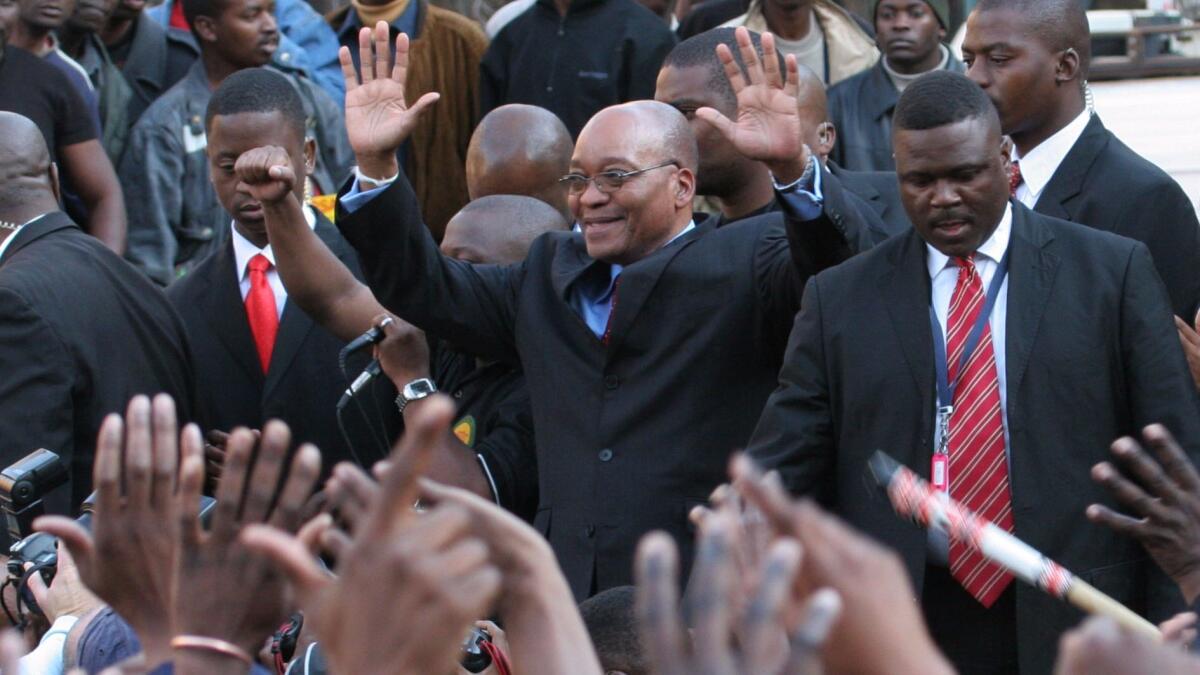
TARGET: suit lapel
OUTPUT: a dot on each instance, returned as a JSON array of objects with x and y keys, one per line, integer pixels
[
  {"x": 905, "y": 290},
  {"x": 1031, "y": 278},
  {"x": 571, "y": 261},
  {"x": 226, "y": 311},
  {"x": 294, "y": 327},
  {"x": 1067, "y": 181},
  {"x": 638, "y": 281}
]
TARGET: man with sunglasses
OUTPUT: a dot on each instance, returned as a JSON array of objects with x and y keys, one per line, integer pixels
[{"x": 649, "y": 343}]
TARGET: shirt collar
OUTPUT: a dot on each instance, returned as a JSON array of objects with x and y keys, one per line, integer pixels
[
  {"x": 615, "y": 269},
  {"x": 244, "y": 249},
  {"x": 1038, "y": 167},
  {"x": 993, "y": 249},
  {"x": 13, "y": 235}
]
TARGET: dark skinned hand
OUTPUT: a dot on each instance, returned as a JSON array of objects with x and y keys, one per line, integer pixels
[{"x": 1164, "y": 502}]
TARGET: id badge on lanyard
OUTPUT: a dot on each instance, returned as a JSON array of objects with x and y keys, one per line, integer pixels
[{"x": 939, "y": 467}]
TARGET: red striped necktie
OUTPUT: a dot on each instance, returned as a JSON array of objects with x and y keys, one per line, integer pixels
[{"x": 978, "y": 465}]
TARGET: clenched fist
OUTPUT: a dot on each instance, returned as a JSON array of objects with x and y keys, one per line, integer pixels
[{"x": 266, "y": 173}]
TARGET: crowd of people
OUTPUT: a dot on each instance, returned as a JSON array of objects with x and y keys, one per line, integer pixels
[{"x": 381, "y": 338}]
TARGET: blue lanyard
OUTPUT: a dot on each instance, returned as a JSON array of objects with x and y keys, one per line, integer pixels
[{"x": 945, "y": 388}]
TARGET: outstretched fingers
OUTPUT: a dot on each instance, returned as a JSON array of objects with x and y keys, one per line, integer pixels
[{"x": 658, "y": 604}]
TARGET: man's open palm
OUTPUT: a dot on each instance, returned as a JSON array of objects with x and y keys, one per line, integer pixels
[
  {"x": 768, "y": 126},
  {"x": 378, "y": 118}
]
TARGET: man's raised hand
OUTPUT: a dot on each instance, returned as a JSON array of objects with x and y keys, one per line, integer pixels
[
  {"x": 378, "y": 116},
  {"x": 768, "y": 126}
]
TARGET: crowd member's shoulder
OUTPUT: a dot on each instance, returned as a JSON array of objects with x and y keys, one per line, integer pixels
[
  {"x": 710, "y": 14},
  {"x": 640, "y": 23},
  {"x": 465, "y": 29},
  {"x": 849, "y": 88},
  {"x": 32, "y": 71}
]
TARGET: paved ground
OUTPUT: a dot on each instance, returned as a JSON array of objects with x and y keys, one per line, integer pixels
[{"x": 1160, "y": 119}]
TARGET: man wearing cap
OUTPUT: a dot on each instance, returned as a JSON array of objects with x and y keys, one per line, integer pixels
[{"x": 910, "y": 34}]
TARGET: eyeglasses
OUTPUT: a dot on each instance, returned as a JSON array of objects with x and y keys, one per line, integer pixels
[{"x": 607, "y": 182}]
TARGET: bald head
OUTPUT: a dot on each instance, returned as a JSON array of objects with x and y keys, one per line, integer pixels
[
  {"x": 520, "y": 150},
  {"x": 498, "y": 229},
  {"x": 649, "y": 128},
  {"x": 28, "y": 181}
]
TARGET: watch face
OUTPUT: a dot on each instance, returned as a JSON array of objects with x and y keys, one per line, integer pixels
[{"x": 419, "y": 389}]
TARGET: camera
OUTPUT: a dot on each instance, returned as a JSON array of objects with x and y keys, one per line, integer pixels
[
  {"x": 475, "y": 657},
  {"x": 23, "y": 487}
]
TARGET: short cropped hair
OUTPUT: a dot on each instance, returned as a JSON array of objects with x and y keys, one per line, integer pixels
[
  {"x": 257, "y": 90},
  {"x": 1058, "y": 24},
  {"x": 940, "y": 98},
  {"x": 195, "y": 8},
  {"x": 612, "y": 624},
  {"x": 701, "y": 51}
]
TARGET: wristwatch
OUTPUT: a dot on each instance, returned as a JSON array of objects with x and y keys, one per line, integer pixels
[{"x": 415, "y": 391}]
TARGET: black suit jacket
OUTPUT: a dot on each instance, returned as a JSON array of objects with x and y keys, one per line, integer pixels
[
  {"x": 1091, "y": 355},
  {"x": 1104, "y": 184},
  {"x": 630, "y": 435},
  {"x": 881, "y": 191},
  {"x": 302, "y": 384},
  {"x": 81, "y": 332}
]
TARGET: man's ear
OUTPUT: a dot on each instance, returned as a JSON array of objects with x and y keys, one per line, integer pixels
[
  {"x": 826, "y": 140},
  {"x": 205, "y": 28},
  {"x": 54, "y": 184},
  {"x": 685, "y": 191},
  {"x": 1069, "y": 66},
  {"x": 310, "y": 156}
]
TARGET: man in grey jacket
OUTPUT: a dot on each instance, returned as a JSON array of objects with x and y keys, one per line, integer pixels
[
  {"x": 175, "y": 216},
  {"x": 910, "y": 34}
]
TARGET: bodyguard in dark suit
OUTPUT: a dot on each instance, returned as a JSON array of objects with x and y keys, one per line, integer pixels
[
  {"x": 1077, "y": 349},
  {"x": 1070, "y": 166},
  {"x": 638, "y": 400},
  {"x": 81, "y": 332},
  {"x": 244, "y": 377}
]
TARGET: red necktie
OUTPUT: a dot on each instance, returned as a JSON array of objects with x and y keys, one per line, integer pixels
[
  {"x": 612, "y": 311},
  {"x": 1014, "y": 179},
  {"x": 978, "y": 465},
  {"x": 260, "y": 309}
]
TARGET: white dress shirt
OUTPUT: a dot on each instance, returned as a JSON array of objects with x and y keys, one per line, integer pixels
[
  {"x": 1038, "y": 167},
  {"x": 244, "y": 250},
  {"x": 944, "y": 276}
]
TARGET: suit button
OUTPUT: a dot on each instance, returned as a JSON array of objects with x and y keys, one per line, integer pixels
[
  {"x": 605, "y": 455},
  {"x": 590, "y": 531},
  {"x": 611, "y": 382},
  {"x": 458, "y": 394}
]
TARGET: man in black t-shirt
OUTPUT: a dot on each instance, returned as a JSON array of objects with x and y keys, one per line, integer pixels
[{"x": 42, "y": 93}]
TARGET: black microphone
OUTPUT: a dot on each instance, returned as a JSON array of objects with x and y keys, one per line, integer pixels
[
  {"x": 372, "y": 336},
  {"x": 369, "y": 373}
]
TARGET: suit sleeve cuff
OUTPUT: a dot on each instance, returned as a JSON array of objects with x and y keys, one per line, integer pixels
[
  {"x": 355, "y": 198},
  {"x": 804, "y": 195}
]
